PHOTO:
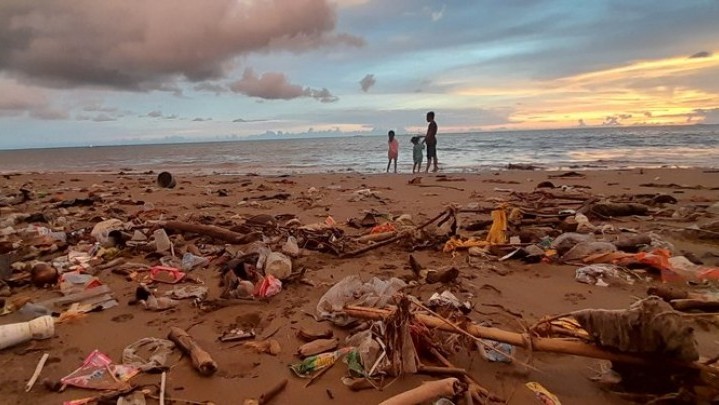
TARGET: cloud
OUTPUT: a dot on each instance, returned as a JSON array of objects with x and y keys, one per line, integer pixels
[
  {"x": 210, "y": 87},
  {"x": 275, "y": 86},
  {"x": 702, "y": 54},
  {"x": 612, "y": 121},
  {"x": 707, "y": 115},
  {"x": 145, "y": 45},
  {"x": 17, "y": 100},
  {"x": 98, "y": 107},
  {"x": 159, "y": 114},
  {"x": 104, "y": 118},
  {"x": 244, "y": 120},
  {"x": 323, "y": 95},
  {"x": 367, "y": 82},
  {"x": 49, "y": 113},
  {"x": 437, "y": 15}
]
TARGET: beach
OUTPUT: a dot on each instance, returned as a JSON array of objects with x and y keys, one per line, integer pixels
[{"x": 509, "y": 294}]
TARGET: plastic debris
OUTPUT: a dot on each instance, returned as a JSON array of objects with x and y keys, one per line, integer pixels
[
  {"x": 159, "y": 350},
  {"x": 308, "y": 367},
  {"x": 352, "y": 291},
  {"x": 98, "y": 372},
  {"x": 543, "y": 395}
]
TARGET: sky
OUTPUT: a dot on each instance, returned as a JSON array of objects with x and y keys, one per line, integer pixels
[{"x": 77, "y": 72}]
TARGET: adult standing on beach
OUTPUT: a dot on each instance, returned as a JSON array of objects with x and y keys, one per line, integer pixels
[{"x": 431, "y": 141}]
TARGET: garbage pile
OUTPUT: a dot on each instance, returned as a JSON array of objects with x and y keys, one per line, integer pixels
[{"x": 379, "y": 330}]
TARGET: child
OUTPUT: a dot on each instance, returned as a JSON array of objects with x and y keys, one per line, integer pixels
[
  {"x": 393, "y": 151},
  {"x": 417, "y": 154}
]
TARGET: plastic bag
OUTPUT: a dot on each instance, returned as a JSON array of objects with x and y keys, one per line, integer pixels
[
  {"x": 190, "y": 261},
  {"x": 159, "y": 349},
  {"x": 269, "y": 286},
  {"x": 278, "y": 265},
  {"x": 583, "y": 224},
  {"x": 566, "y": 241},
  {"x": 584, "y": 249},
  {"x": 168, "y": 275},
  {"x": 352, "y": 291},
  {"x": 595, "y": 273},
  {"x": 101, "y": 231},
  {"x": 98, "y": 372},
  {"x": 290, "y": 248}
]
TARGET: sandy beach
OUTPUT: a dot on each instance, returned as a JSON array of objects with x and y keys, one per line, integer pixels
[{"x": 509, "y": 294}]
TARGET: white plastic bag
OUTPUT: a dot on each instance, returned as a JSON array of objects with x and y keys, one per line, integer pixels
[{"x": 352, "y": 291}]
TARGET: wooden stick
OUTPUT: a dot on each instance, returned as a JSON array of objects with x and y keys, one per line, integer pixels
[
  {"x": 163, "y": 382},
  {"x": 36, "y": 374},
  {"x": 474, "y": 386},
  {"x": 698, "y": 304},
  {"x": 433, "y": 370},
  {"x": 267, "y": 396},
  {"x": 376, "y": 237},
  {"x": 562, "y": 346},
  {"x": 211, "y": 231},
  {"x": 439, "y": 186},
  {"x": 201, "y": 360},
  {"x": 395, "y": 239},
  {"x": 425, "y": 392}
]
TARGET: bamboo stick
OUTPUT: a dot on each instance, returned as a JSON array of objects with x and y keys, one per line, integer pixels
[{"x": 561, "y": 346}]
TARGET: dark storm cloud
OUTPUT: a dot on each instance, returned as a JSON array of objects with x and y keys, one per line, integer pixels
[{"x": 141, "y": 45}]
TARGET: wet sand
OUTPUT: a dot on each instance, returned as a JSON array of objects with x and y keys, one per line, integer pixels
[{"x": 518, "y": 294}]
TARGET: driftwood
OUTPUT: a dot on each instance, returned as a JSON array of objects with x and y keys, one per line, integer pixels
[
  {"x": 433, "y": 370},
  {"x": 695, "y": 304},
  {"x": 376, "y": 237},
  {"x": 552, "y": 345},
  {"x": 201, "y": 360},
  {"x": 632, "y": 243},
  {"x": 476, "y": 391},
  {"x": 398, "y": 237},
  {"x": 439, "y": 186},
  {"x": 212, "y": 231},
  {"x": 618, "y": 209},
  {"x": 448, "y": 387},
  {"x": 668, "y": 293},
  {"x": 267, "y": 396}
]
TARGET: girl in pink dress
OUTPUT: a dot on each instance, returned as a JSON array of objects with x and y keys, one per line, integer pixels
[{"x": 393, "y": 151}]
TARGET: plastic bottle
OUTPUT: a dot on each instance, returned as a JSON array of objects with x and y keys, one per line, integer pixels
[{"x": 16, "y": 333}]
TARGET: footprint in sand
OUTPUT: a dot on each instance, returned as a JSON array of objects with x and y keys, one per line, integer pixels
[
  {"x": 574, "y": 298},
  {"x": 122, "y": 318}
]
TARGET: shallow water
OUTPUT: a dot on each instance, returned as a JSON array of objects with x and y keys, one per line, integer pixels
[{"x": 683, "y": 146}]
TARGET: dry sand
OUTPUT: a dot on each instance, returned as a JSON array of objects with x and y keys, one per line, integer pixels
[{"x": 521, "y": 296}]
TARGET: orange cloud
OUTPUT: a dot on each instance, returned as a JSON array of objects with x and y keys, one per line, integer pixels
[{"x": 595, "y": 96}]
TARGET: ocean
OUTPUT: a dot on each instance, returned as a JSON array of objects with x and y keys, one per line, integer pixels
[{"x": 579, "y": 148}]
